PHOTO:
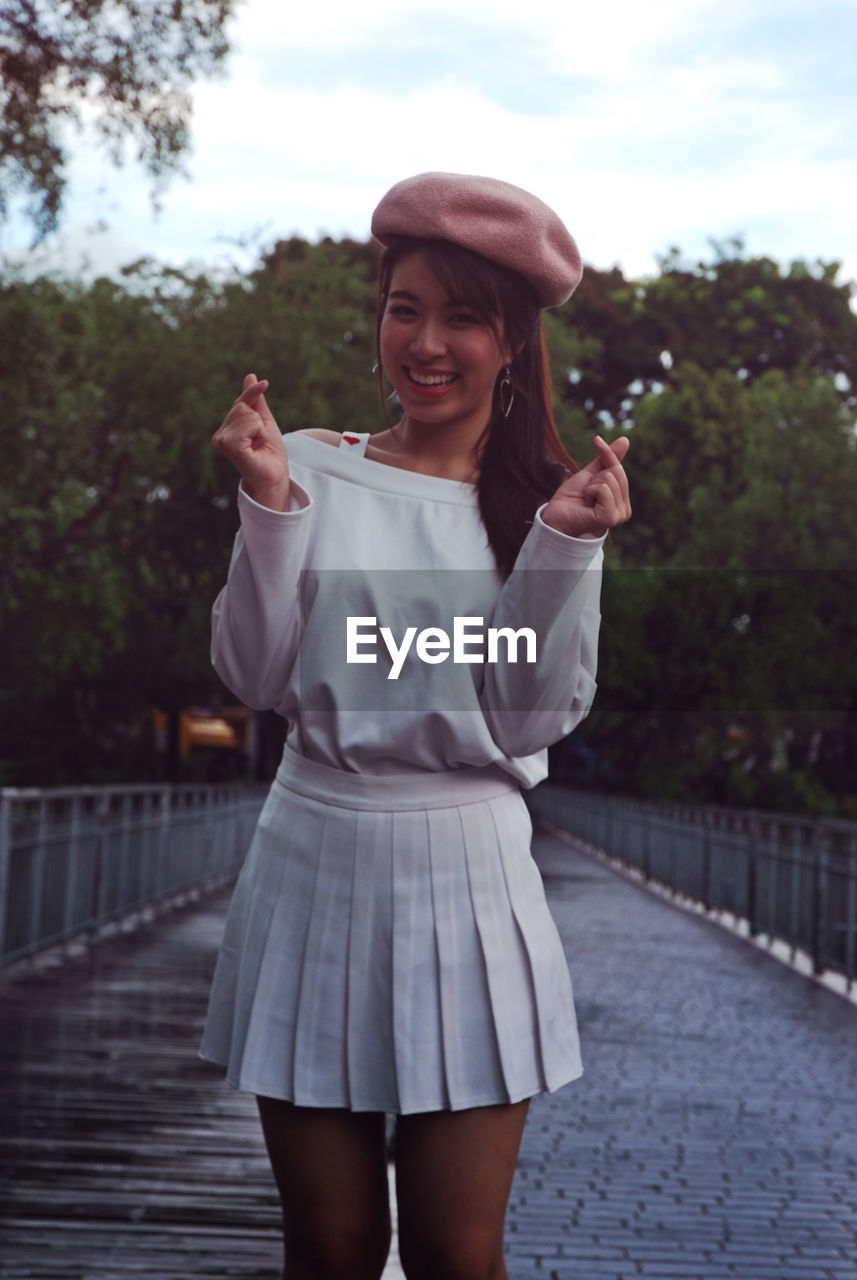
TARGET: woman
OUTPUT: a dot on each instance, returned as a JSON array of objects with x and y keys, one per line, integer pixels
[{"x": 389, "y": 948}]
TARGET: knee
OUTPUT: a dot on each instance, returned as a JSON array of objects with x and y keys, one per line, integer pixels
[
  {"x": 471, "y": 1256},
  {"x": 340, "y": 1253}
]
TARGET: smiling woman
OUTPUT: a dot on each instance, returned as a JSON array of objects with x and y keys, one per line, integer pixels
[
  {"x": 389, "y": 947},
  {"x": 444, "y": 300},
  {"x": 441, "y": 355}
]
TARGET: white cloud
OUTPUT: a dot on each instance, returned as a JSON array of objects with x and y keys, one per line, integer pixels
[
  {"x": 662, "y": 124},
  {"x": 600, "y": 40}
]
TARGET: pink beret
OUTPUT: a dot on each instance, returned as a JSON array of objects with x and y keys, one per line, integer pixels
[{"x": 501, "y": 222}]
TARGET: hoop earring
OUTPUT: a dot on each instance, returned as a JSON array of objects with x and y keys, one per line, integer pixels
[
  {"x": 376, "y": 369},
  {"x": 507, "y": 392}
]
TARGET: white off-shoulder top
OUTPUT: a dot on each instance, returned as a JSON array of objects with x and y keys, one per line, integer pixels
[{"x": 364, "y": 540}]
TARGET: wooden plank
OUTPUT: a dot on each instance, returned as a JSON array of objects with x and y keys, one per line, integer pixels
[{"x": 121, "y": 1152}]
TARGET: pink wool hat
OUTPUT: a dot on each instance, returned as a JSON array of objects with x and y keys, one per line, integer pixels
[{"x": 502, "y": 223}]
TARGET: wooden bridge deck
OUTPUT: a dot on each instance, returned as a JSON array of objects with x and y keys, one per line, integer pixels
[
  {"x": 121, "y": 1153},
  {"x": 712, "y": 1137}
]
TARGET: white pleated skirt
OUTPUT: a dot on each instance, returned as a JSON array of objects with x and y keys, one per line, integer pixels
[{"x": 389, "y": 948}]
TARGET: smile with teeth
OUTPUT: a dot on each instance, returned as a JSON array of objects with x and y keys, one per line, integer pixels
[{"x": 425, "y": 379}]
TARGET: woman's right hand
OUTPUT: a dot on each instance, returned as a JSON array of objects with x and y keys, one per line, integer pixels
[{"x": 251, "y": 440}]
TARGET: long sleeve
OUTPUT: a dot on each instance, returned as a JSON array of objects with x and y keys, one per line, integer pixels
[
  {"x": 365, "y": 540},
  {"x": 256, "y": 618},
  {"x": 554, "y": 589}
]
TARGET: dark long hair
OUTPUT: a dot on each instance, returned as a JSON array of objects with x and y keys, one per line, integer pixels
[{"x": 521, "y": 458}]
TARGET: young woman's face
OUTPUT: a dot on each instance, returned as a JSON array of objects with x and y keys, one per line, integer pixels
[{"x": 440, "y": 356}]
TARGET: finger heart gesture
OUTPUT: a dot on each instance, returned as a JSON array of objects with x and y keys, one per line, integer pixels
[
  {"x": 594, "y": 499},
  {"x": 250, "y": 438}
]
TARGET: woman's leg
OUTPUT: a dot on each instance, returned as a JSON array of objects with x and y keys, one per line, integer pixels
[
  {"x": 454, "y": 1172},
  {"x": 330, "y": 1167}
]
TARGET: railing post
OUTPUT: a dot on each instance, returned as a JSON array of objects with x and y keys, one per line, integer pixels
[
  {"x": 164, "y": 876},
  {"x": 99, "y": 883},
  {"x": 207, "y": 860},
  {"x": 647, "y": 844},
  {"x": 38, "y": 872},
  {"x": 6, "y": 805},
  {"x": 851, "y": 914},
  {"x": 73, "y": 868},
  {"x": 126, "y": 888},
  {"x": 797, "y": 861},
  {"x": 819, "y": 913},
  {"x": 752, "y": 875}
]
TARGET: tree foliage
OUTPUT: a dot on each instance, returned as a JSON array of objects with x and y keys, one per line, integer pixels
[
  {"x": 726, "y": 666},
  {"x": 729, "y": 627},
  {"x": 123, "y": 67},
  {"x": 730, "y": 624},
  {"x": 743, "y": 315},
  {"x": 116, "y": 516}
]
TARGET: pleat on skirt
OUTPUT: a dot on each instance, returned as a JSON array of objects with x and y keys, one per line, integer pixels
[{"x": 389, "y": 948}]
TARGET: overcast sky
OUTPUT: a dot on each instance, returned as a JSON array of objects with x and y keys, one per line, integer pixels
[{"x": 645, "y": 125}]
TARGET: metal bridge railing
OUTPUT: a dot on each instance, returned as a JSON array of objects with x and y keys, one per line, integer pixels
[
  {"x": 791, "y": 878},
  {"x": 75, "y": 860}
]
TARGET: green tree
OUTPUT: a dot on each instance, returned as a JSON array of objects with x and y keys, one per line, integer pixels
[
  {"x": 117, "y": 517},
  {"x": 125, "y": 65},
  {"x": 616, "y": 352},
  {"x": 730, "y": 630},
  {"x": 743, "y": 315},
  {"x": 306, "y": 318},
  {"x": 750, "y": 315},
  {"x": 107, "y": 558}
]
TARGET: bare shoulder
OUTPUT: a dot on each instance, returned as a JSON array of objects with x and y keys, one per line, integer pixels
[{"x": 321, "y": 433}]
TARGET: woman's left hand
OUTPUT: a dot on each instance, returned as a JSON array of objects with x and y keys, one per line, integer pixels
[{"x": 595, "y": 498}]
